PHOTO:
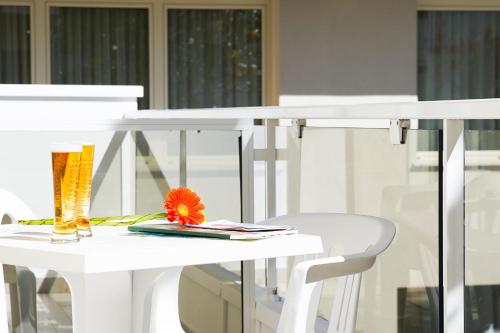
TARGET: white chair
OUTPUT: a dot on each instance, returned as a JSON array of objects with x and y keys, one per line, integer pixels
[
  {"x": 351, "y": 243},
  {"x": 21, "y": 281}
]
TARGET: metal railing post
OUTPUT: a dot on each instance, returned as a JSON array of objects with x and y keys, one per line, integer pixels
[
  {"x": 453, "y": 243},
  {"x": 128, "y": 174},
  {"x": 182, "y": 158},
  {"x": 247, "y": 201}
]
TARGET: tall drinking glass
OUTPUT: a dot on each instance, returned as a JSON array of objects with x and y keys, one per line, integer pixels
[
  {"x": 65, "y": 170},
  {"x": 84, "y": 191}
]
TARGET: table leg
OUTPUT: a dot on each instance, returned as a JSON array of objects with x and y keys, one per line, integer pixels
[
  {"x": 156, "y": 301},
  {"x": 101, "y": 302},
  {"x": 4, "y": 325}
]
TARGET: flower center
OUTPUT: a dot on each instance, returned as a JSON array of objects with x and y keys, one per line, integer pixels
[{"x": 183, "y": 210}]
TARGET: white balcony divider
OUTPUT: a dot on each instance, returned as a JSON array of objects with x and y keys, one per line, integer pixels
[{"x": 62, "y": 108}]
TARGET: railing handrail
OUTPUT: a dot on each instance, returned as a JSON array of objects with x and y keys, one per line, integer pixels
[
  {"x": 452, "y": 109},
  {"x": 29, "y": 117}
]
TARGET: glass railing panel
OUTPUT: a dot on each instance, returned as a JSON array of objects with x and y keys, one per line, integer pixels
[
  {"x": 482, "y": 231},
  {"x": 358, "y": 171},
  {"x": 157, "y": 168},
  {"x": 212, "y": 171},
  {"x": 26, "y": 169}
]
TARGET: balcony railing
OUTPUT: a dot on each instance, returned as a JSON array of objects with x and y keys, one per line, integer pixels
[{"x": 125, "y": 132}]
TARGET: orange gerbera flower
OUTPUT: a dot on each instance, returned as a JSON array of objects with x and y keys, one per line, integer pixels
[{"x": 184, "y": 205}]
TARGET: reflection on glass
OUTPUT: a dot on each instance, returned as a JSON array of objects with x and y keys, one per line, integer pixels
[
  {"x": 363, "y": 173},
  {"x": 458, "y": 53},
  {"x": 157, "y": 168},
  {"x": 482, "y": 235},
  {"x": 213, "y": 172}
]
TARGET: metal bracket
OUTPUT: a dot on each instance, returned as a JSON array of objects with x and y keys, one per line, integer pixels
[
  {"x": 299, "y": 125},
  {"x": 398, "y": 131}
]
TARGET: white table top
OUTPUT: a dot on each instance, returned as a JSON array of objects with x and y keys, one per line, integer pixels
[{"x": 115, "y": 249}]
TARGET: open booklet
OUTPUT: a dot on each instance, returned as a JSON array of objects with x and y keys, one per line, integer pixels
[
  {"x": 247, "y": 227},
  {"x": 216, "y": 229}
]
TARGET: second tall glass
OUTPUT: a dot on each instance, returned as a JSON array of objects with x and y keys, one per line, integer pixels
[{"x": 84, "y": 191}]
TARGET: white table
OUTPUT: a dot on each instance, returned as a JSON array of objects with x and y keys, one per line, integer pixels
[{"x": 126, "y": 283}]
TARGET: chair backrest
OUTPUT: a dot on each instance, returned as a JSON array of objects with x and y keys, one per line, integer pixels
[
  {"x": 342, "y": 234},
  {"x": 353, "y": 242},
  {"x": 13, "y": 208}
]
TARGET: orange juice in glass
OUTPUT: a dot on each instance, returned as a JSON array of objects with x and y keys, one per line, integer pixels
[{"x": 84, "y": 191}]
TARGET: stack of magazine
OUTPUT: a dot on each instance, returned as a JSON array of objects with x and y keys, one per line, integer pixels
[{"x": 216, "y": 229}]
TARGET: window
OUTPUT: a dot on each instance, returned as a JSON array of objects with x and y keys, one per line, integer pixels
[
  {"x": 459, "y": 55},
  {"x": 15, "y": 63},
  {"x": 100, "y": 46},
  {"x": 154, "y": 43},
  {"x": 214, "y": 58},
  {"x": 459, "y": 58}
]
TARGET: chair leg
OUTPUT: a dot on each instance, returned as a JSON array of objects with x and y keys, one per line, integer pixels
[
  {"x": 15, "y": 318},
  {"x": 26, "y": 281}
]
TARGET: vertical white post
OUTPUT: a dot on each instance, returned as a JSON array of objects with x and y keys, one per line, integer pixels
[
  {"x": 182, "y": 158},
  {"x": 128, "y": 174},
  {"x": 293, "y": 160},
  {"x": 247, "y": 200},
  {"x": 271, "y": 167},
  {"x": 271, "y": 124},
  {"x": 453, "y": 226}
]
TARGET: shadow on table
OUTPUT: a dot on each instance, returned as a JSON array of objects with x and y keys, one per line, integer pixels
[{"x": 29, "y": 236}]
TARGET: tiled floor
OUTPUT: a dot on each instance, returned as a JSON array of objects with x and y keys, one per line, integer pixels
[{"x": 54, "y": 313}]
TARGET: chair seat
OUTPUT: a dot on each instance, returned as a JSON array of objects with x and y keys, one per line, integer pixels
[
  {"x": 21, "y": 281},
  {"x": 352, "y": 243}
]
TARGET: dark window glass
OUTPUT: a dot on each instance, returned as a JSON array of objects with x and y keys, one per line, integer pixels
[
  {"x": 15, "y": 64},
  {"x": 100, "y": 46},
  {"x": 459, "y": 58},
  {"x": 214, "y": 58},
  {"x": 459, "y": 55}
]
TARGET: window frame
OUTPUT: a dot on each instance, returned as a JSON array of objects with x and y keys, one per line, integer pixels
[
  {"x": 458, "y": 5},
  {"x": 158, "y": 48}
]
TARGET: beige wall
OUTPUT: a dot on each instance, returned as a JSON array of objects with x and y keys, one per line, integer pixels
[
  {"x": 348, "y": 47},
  {"x": 345, "y": 48}
]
